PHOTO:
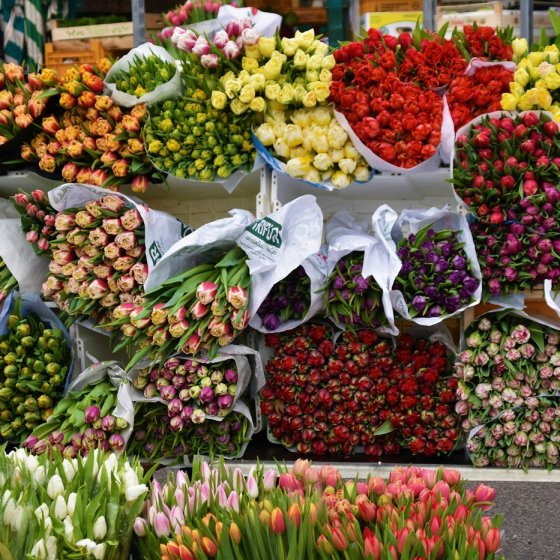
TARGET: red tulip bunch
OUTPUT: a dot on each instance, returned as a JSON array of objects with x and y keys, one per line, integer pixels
[
  {"x": 323, "y": 397},
  {"x": 484, "y": 42}
]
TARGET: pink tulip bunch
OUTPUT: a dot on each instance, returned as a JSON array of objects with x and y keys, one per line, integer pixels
[
  {"x": 98, "y": 260},
  {"x": 195, "y": 11}
]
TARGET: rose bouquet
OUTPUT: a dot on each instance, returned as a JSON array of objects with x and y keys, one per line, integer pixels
[
  {"x": 37, "y": 219},
  {"x": 7, "y": 281},
  {"x": 313, "y": 513},
  {"x": 54, "y": 507},
  {"x": 320, "y": 396},
  {"x": 510, "y": 363},
  {"x": 535, "y": 82},
  {"x": 436, "y": 275},
  {"x": 36, "y": 359},
  {"x": 482, "y": 41},
  {"x": 98, "y": 259},
  {"x": 516, "y": 181},
  {"x": 158, "y": 436}
]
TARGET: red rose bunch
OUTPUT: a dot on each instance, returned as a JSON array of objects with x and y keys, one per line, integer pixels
[
  {"x": 470, "y": 96},
  {"x": 485, "y": 42},
  {"x": 326, "y": 398}
]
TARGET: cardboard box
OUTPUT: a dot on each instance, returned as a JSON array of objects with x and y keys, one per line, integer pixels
[
  {"x": 391, "y": 23},
  {"x": 91, "y": 31},
  {"x": 390, "y": 6}
]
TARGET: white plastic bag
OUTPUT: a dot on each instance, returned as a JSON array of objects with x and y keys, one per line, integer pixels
[
  {"x": 172, "y": 88},
  {"x": 162, "y": 230},
  {"x": 29, "y": 269},
  {"x": 207, "y": 242},
  {"x": 315, "y": 267},
  {"x": 279, "y": 243},
  {"x": 345, "y": 235},
  {"x": 413, "y": 221},
  {"x": 264, "y": 23},
  {"x": 120, "y": 379}
]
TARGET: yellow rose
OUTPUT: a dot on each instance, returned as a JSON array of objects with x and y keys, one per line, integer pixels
[
  {"x": 336, "y": 154},
  {"x": 293, "y": 135},
  {"x": 247, "y": 94},
  {"x": 281, "y": 148},
  {"x": 313, "y": 176},
  {"x": 305, "y": 39},
  {"x": 328, "y": 62},
  {"x": 257, "y": 81},
  {"x": 298, "y": 167},
  {"x": 252, "y": 51},
  {"x": 238, "y": 107},
  {"x": 340, "y": 180},
  {"x": 265, "y": 134},
  {"x": 319, "y": 141},
  {"x": 314, "y": 62},
  {"x": 271, "y": 70},
  {"x": 266, "y": 46},
  {"x": 286, "y": 95},
  {"x": 298, "y": 92},
  {"x": 325, "y": 76},
  {"x": 552, "y": 81},
  {"x": 272, "y": 90},
  {"x": 301, "y": 117},
  {"x": 320, "y": 48},
  {"x": 347, "y": 165},
  {"x": 535, "y": 58},
  {"x": 321, "y": 91},
  {"x": 232, "y": 87},
  {"x": 312, "y": 76},
  {"x": 336, "y": 136},
  {"x": 361, "y": 173},
  {"x": 300, "y": 59},
  {"x": 309, "y": 99},
  {"x": 521, "y": 77},
  {"x": 218, "y": 99},
  {"x": 517, "y": 89},
  {"x": 280, "y": 57},
  {"x": 249, "y": 64},
  {"x": 289, "y": 46},
  {"x": 322, "y": 162},
  {"x": 350, "y": 151},
  {"x": 321, "y": 116},
  {"x": 244, "y": 77},
  {"x": 520, "y": 47},
  {"x": 544, "y": 99}
]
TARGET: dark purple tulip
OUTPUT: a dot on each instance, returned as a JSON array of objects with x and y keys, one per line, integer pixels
[
  {"x": 421, "y": 270},
  {"x": 435, "y": 311},
  {"x": 547, "y": 258},
  {"x": 517, "y": 229},
  {"x": 346, "y": 294},
  {"x": 431, "y": 292},
  {"x": 271, "y": 321},
  {"x": 432, "y": 257},
  {"x": 419, "y": 303},
  {"x": 149, "y": 448},
  {"x": 361, "y": 284},
  {"x": 105, "y": 446},
  {"x": 213, "y": 408},
  {"x": 223, "y": 439},
  {"x": 428, "y": 246},
  {"x": 403, "y": 253},
  {"x": 406, "y": 267},
  {"x": 544, "y": 245},
  {"x": 446, "y": 248},
  {"x": 458, "y": 262},
  {"x": 494, "y": 286},
  {"x": 441, "y": 265},
  {"x": 510, "y": 274},
  {"x": 470, "y": 284}
]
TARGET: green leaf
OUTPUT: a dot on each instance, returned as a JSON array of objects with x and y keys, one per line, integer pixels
[
  {"x": 554, "y": 20},
  {"x": 385, "y": 428}
]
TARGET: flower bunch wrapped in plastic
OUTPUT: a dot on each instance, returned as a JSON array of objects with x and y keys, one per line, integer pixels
[
  {"x": 98, "y": 259},
  {"x": 436, "y": 276},
  {"x": 54, "y": 507},
  {"x": 483, "y": 41},
  {"x": 195, "y": 11},
  {"x": 81, "y": 421},
  {"x": 191, "y": 388},
  {"x": 158, "y": 436},
  {"x": 535, "y": 83},
  {"x": 195, "y": 311}
]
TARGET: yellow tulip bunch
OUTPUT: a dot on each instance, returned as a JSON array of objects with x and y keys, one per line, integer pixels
[
  {"x": 536, "y": 83},
  {"x": 289, "y": 71},
  {"x": 313, "y": 145}
]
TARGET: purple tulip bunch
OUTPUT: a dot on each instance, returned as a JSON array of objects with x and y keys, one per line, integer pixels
[
  {"x": 514, "y": 256},
  {"x": 351, "y": 299},
  {"x": 191, "y": 389},
  {"x": 153, "y": 437},
  {"x": 289, "y": 300},
  {"x": 436, "y": 277},
  {"x": 509, "y": 364}
]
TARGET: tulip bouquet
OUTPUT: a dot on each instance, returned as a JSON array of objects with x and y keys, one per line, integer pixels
[
  {"x": 359, "y": 393},
  {"x": 54, "y": 507},
  {"x": 7, "y": 281},
  {"x": 79, "y": 82},
  {"x": 535, "y": 81},
  {"x": 198, "y": 310},
  {"x": 312, "y": 513},
  {"x": 21, "y": 100},
  {"x": 158, "y": 436},
  {"x": 478, "y": 92},
  {"x": 516, "y": 182},
  {"x": 351, "y": 299},
  {"x": 98, "y": 259},
  {"x": 35, "y": 360},
  {"x": 514, "y": 257},
  {"x": 37, "y": 219},
  {"x": 192, "y": 389},
  {"x": 82, "y": 421},
  {"x": 436, "y": 276},
  {"x": 195, "y": 12},
  {"x": 482, "y": 41},
  {"x": 508, "y": 367}
]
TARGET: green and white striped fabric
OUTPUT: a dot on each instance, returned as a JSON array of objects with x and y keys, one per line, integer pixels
[
  {"x": 13, "y": 31},
  {"x": 34, "y": 32}
]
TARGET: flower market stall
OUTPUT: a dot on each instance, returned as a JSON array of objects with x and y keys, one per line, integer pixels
[{"x": 232, "y": 247}]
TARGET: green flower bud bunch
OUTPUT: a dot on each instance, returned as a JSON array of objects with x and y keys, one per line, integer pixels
[
  {"x": 34, "y": 362},
  {"x": 144, "y": 75}
]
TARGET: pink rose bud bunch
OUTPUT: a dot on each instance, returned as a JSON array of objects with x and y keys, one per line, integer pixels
[
  {"x": 98, "y": 259},
  {"x": 190, "y": 317},
  {"x": 190, "y": 386},
  {"x": 37, "y": 219}
]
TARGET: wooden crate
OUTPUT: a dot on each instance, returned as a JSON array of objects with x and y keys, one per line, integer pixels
[
  {"x": 535, "y": 305},
  {"x": 62, "y": 59},
  {"x": 390, "y": 6}
]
